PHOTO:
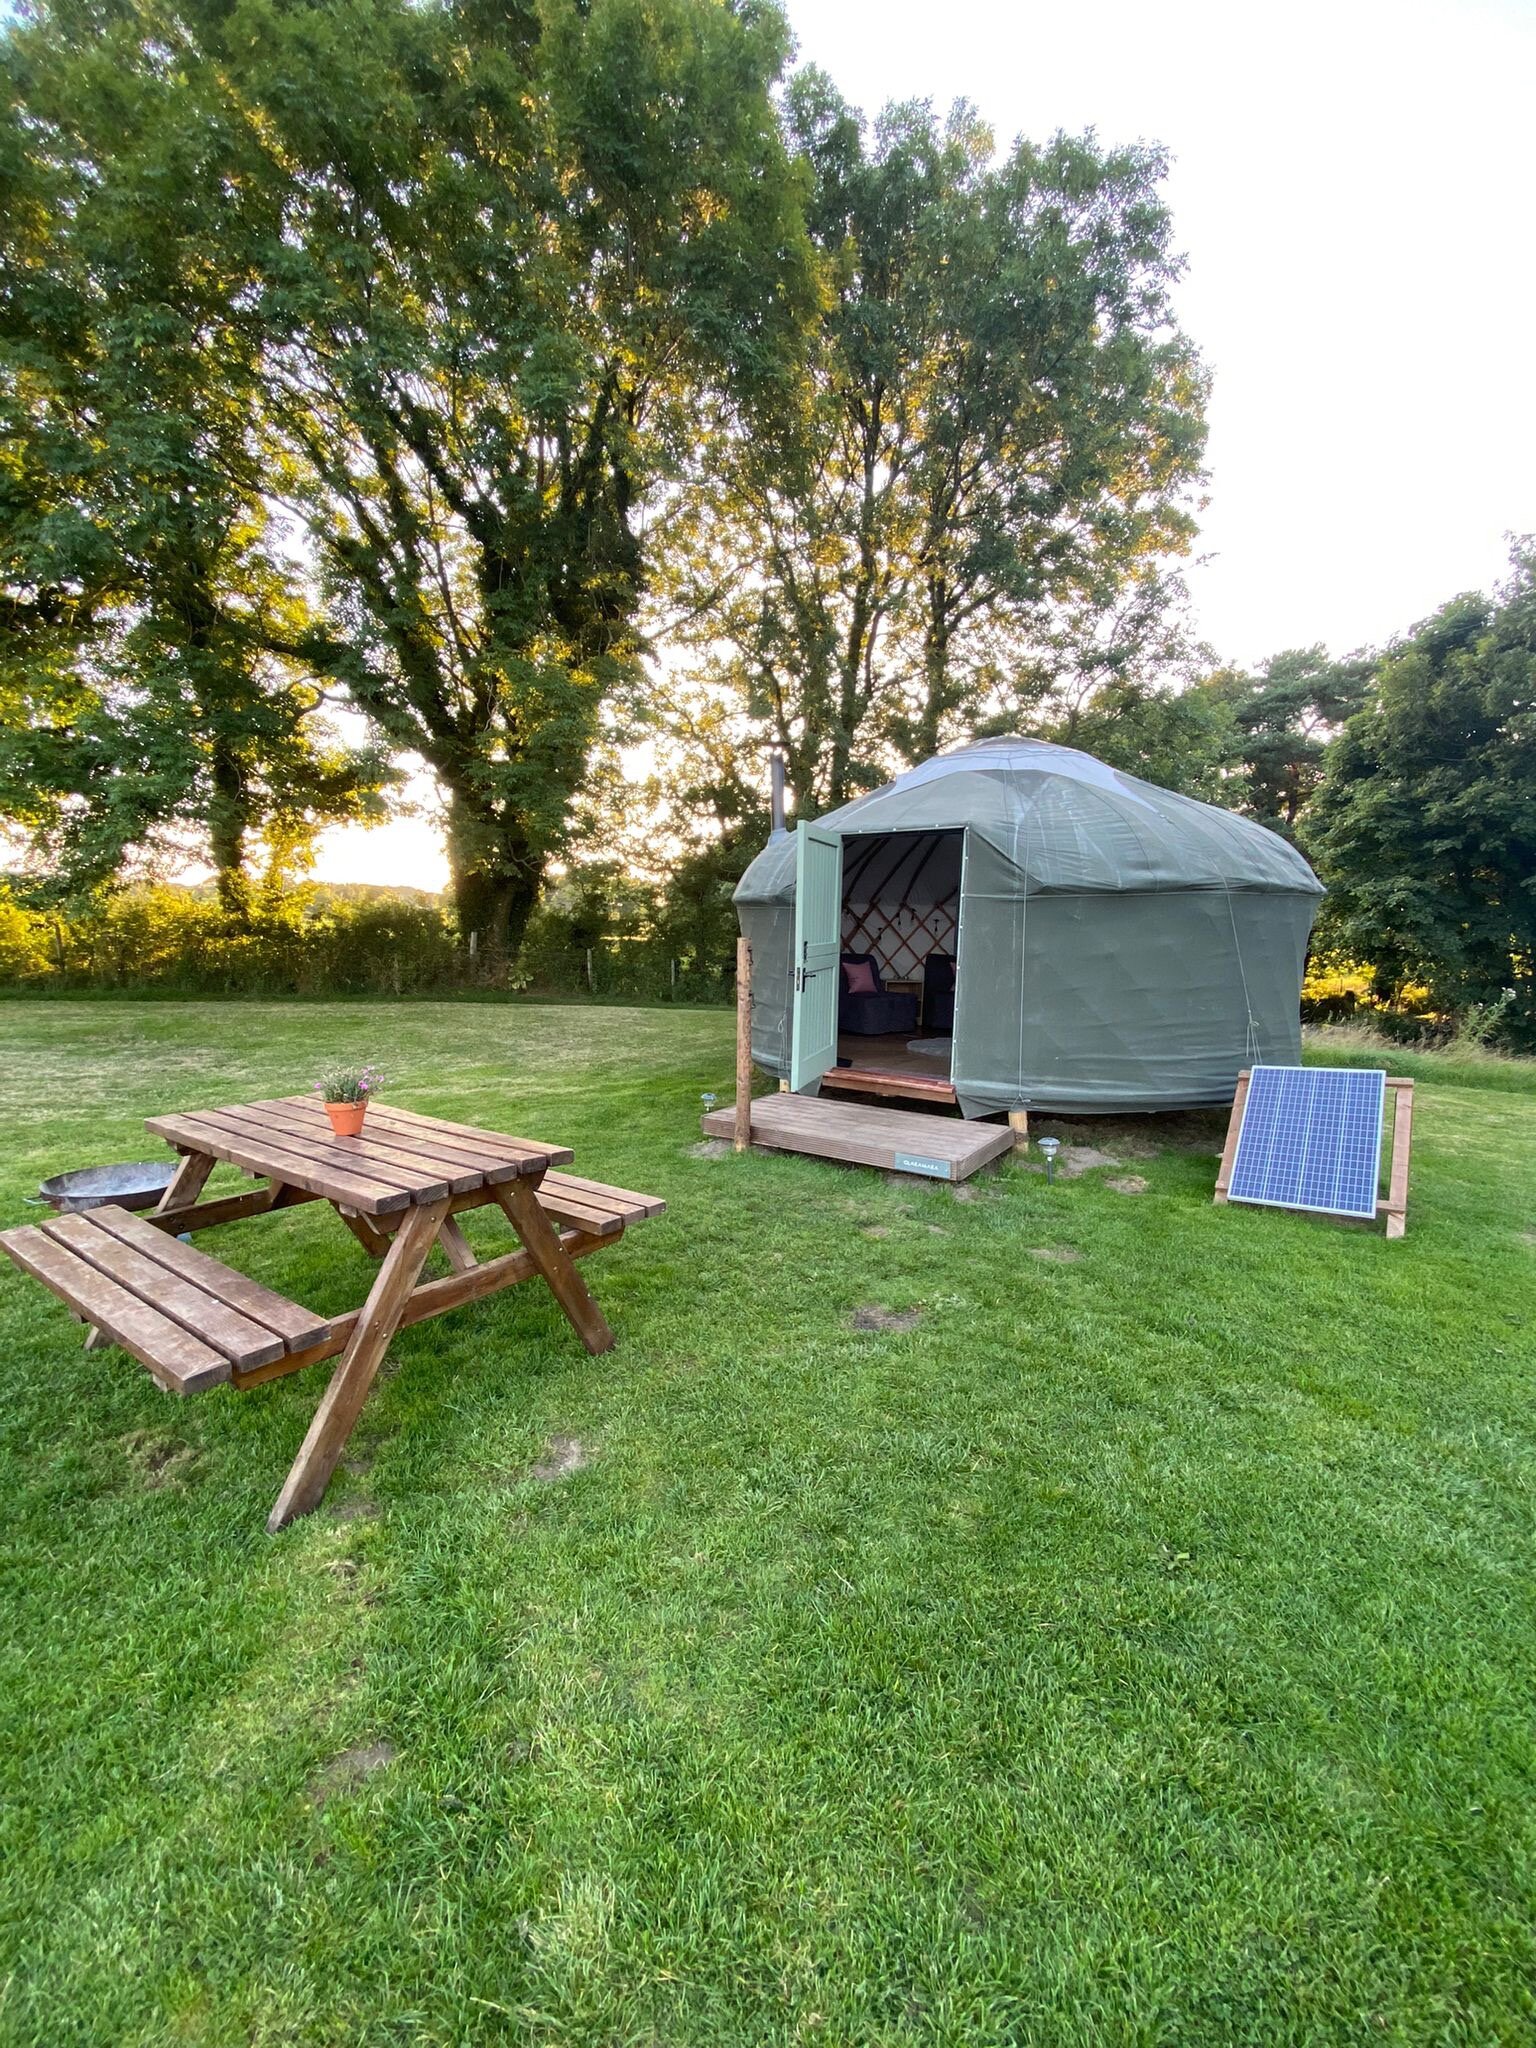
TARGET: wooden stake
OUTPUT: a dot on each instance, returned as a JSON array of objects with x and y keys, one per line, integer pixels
[
  {"x": 741, "y": 1136},
  {"x": 1395, "y": 1207},
  {"x": 1234, "y": 1126},
  {"x": 1018, "y": 1120}
]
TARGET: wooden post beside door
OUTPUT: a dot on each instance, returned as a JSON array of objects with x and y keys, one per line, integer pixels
[{"x": 742, "y": 1136}]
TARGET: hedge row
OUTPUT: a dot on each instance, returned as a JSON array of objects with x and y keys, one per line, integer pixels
[{"x": 309, "y": 943}]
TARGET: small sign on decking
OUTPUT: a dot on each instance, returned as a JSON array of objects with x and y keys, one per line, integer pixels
[{"x": 912, "y": 1162}]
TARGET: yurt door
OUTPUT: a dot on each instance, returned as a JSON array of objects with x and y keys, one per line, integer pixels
[{"x": 818, "y": 952}]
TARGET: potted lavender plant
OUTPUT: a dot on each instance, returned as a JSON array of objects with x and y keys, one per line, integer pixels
[{"x": 345, "y": 1091}]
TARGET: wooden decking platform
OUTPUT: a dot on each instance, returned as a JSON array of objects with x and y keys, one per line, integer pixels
[{"x": 901, "y": 1141}]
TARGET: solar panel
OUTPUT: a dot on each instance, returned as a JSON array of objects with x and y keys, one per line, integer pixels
[{"x": 1310, "y": 1139}]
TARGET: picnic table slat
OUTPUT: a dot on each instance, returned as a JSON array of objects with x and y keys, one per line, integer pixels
[
  {"x": 240, "y": 1340},
  {"x": 346, "y": 1155},
  {"x": 504, "y": 1162},
  {"x": 294, "y": 1324},
  {"x": 371, "y": 1152},
  {"x": 497, "y": 1141},
  {"x": 626, "y": 1200},
  {"x": 469, "y": 1166},
  {"x": 201, "y": 1133},
  {"x": 173, "y": 1355},
  {"x": 600, "y": 1222}
]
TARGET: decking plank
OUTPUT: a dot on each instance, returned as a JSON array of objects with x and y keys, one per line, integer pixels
[
  {"x": 858, "y": 1135},
  {"x": 886, "y": 1081}
]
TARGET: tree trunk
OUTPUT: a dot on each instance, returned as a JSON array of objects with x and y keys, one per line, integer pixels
[
  {"x": 496, "y": 875},
  {"x": 925, "y": 733},
  {"x": 228, "y": 822}
]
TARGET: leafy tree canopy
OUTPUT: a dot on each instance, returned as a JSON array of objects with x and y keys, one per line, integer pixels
[
  {"x": 453, "y": 276},
  {"x": 1284, "y": 717},
  {"x": 1424, "y": 827},
  {"x": 997, "y": 421},
  {"x": 137, "y": 576}
]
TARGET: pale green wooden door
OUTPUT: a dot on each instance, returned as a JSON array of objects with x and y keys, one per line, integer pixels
[{"x": 818, "y": 948}]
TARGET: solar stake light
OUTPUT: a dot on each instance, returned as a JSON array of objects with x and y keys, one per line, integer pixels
[
  {"x": 709, "y": 1099},
  {"x": 1050, "y": 1147}
]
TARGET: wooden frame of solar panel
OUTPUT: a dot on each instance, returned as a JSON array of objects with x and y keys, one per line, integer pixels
[{"x": 1394, "y": 1208}]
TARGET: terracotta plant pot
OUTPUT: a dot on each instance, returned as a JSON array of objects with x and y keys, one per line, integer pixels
[{"x": 346, "y": 1117}]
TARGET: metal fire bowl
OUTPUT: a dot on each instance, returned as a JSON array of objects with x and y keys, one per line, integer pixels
[{"x": 132, "y": 1184}]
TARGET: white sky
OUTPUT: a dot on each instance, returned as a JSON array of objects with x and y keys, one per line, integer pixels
[{"x": 1354, "y": 185}]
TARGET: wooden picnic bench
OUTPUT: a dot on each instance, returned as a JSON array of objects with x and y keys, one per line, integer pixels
[{"x": 399, "y": 1187}]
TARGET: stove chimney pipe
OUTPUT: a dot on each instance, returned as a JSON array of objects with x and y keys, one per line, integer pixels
[{"x": 776, "y": 763}]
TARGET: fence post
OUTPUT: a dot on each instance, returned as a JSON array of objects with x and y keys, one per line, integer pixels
[
  {"x": 591, "y": 985},
  {"x": 742, "y": 1132}
]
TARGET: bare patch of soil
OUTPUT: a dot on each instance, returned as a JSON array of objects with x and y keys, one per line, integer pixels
[
  {"x": 1137, "y": 1137},
  {"x": 562, "y": 1456},
  {"x": 710, "y": 1148},
  {"x": 1056, "y": 1254},
  {"x": 872, "y": 1317},
  {"x": 874, "y": 1230},
  {"x": 157, "y": 1460},
  {"x": 352, "y": 1768},
  {"x": 1129, "y": 1184},
  {"x": 355, "y": 1507},
  {"x": 1075, "y": 1160}
]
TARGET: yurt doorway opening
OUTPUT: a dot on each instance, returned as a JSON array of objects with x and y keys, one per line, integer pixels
[{"x": 899, "y": 964}]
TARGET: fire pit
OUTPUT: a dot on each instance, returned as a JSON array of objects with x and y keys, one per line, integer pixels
[{"x": 131, "y": 1184}]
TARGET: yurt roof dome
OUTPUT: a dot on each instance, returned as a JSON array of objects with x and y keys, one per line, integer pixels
[{"x": 1066, "y": 821}]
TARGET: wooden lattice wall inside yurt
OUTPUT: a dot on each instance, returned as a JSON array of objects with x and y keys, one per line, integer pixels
[{"x": 900, "y": 937}]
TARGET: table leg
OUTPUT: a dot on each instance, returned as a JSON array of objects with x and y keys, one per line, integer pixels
[
  {"x": 457, "y": 1249},
  {"x": 342, "y": 1401},
  {"x": 187, "y": 1182},
  {"x": 374, "y": 1242},
  {"x": 541, "y": 1241}
]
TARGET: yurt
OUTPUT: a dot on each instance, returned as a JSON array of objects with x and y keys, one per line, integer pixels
[{"x": 1014, "y": 925}]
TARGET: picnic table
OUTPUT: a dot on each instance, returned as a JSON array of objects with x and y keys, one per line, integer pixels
[{"x": 399, "y": 1188}]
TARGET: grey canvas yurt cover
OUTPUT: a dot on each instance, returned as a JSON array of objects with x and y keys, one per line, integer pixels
[{"x": 1116, "y": 947}]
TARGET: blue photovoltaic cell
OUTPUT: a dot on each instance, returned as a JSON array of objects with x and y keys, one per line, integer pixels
[{"x": 1310, "y": 1139}]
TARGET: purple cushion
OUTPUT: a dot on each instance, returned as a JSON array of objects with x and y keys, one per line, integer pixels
[{"x": 859, "y": 978}]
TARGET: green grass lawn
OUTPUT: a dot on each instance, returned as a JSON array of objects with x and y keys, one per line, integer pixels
[{"x": 1139, "y": 1648}]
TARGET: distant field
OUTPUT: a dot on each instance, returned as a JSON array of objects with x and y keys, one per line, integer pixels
[{"x": 1135, "y": 1645}]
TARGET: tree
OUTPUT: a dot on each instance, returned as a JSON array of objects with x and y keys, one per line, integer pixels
[
  {"x": 1285, "y": 717},
  {"x": 136, "y": 579},
  {"x": 1424, "y": 827},
  {"x": 465, "y": 269},
  {"x": 998, "y": 419}
]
